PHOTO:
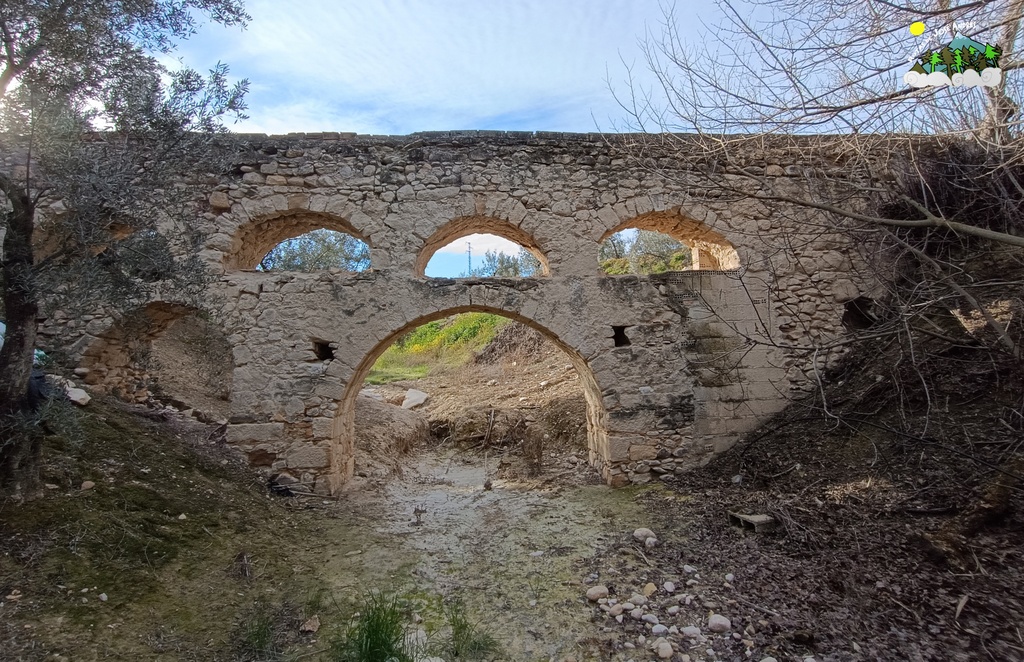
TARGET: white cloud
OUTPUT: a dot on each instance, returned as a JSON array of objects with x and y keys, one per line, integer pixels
[
  {"x": 397, "y": 66},
  {"x": 481, "y": 244}
]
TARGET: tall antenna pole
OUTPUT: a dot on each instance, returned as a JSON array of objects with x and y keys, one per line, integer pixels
[{"x": 469, "y": 255}]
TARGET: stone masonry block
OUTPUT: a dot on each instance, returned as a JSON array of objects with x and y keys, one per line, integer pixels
[
  {"x": 309, "y": 456},
  {"x": 254, "y": 433}
]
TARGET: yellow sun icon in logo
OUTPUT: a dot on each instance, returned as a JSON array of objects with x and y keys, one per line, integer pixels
[{"x": 917, "y": 28}]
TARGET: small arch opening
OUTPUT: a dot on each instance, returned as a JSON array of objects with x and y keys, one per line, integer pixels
[
  {"x": 299, "y": 240},
  {"x": 665, "y": 241},
  {"x": 481, "y": 247},
  {"x": 483, "y": 256},
  {"x": 644, "y": 252},
  {"x": 318, "y": 250}
]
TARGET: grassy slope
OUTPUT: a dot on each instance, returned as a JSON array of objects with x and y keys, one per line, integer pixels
[
  {"x": 435, "y": 346},
  {"x": 174, "y": 589}
]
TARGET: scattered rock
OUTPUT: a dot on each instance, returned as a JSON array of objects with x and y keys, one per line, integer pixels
[
  {"x": 670, "y": 587},
  {"x": 87, "y": 485},
  {"x": 310, "y": 626},
  {"x": 650, "y": 618},
  {"x": 659, "y": 630},
  {"x": 641, "y": 535},
  {"x": 182, "y": 516},
  {"x": 649, "y": 589},
  {"x": 719, "y": 623},
  {"x": 78, "y": 396},
  {"x": 367, "y": 393},
  {"x": 102, "y": 597},
  {"x": 691, "y": 631},
  {"x": 414, "y": 398},
  {"x": 665, "y": 650},
  {"x": 689, "y": 569},
  {"x": 650, "y": 543},
  {"x": 730, "y": 577},
  {"x": 595, "y": 593}
]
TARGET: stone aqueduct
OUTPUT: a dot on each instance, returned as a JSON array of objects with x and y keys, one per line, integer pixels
[{"x": 673, "y": 366}]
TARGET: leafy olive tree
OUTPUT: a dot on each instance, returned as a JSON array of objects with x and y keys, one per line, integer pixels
[
  {"x": 643, "y": 252},
  {"x": 502, "y": 265},
  {"x": 316, "y": 250},
  {"x": 94, "y": 206}
]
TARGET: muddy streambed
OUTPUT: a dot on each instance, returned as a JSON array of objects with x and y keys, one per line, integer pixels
[{"x": 517, "y": 554}]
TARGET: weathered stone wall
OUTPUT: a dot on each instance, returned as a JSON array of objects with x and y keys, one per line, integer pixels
[{"x": 710, "y": 354}]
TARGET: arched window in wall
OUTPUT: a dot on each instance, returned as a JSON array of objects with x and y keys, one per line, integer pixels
[
  {"x": 665, "y": 241},
  {"x": 299, "y": 241},
  {"x": 483, "y": 256},
  {"x": 481, "y": 246},
  {"x": 318, "y": 250},
  {"x": 644, "y": 252}
]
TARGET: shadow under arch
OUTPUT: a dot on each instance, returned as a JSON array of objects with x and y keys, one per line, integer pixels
[
  {"x": 467, "y": 225},
  {"x": 117, "y": 358},
  {"x": 254, "y": 239},
  {"x": 344, "y": 421},
  {"x": 711, "y": 250}
]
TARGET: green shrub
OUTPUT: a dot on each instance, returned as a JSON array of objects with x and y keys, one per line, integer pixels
[
  {"x": 378, "y": 634},
  {"x": 449, "y": 342},
  {"x": 467, "y": 641}
]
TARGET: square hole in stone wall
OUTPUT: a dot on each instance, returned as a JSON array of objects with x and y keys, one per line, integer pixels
[
  {"x": 323, "y": 350},
  {"x": 620, "y": 337}
]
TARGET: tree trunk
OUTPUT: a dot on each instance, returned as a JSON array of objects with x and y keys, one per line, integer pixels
[{"x": 20, "y": 449}]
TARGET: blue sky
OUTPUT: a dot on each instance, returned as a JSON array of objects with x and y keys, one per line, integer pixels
[{"x": 401, "y": 66}]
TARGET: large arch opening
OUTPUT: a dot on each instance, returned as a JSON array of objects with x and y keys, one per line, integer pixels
[
  {"x": 520, "y": 393},
  {"x": 167, "y": 352},
  {"x": 522, "y": 257},
  {"x": 697, "y": 247},
  {"x": 310, "y": 231}
]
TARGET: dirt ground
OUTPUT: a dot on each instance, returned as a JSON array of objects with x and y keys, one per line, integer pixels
[
  {"x": 878, "y": 553},
  {"x": 885, "y": 547}
]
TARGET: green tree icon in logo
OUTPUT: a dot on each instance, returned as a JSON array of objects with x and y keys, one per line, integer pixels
[{"x": 992, "y": 54}]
